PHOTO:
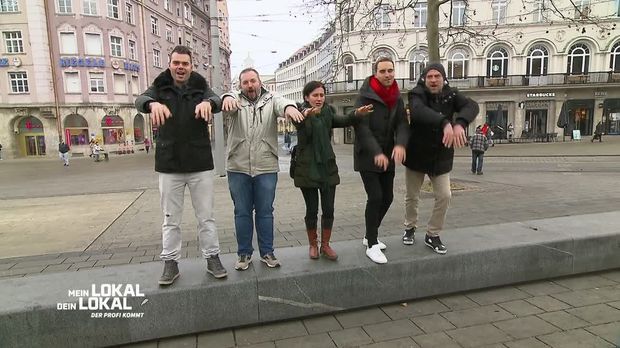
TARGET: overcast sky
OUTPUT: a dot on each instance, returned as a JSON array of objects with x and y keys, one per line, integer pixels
[{"x": 270, "y": 31}]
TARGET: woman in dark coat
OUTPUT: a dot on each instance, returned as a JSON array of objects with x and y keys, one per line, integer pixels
[{"x": 316, "y": 170}]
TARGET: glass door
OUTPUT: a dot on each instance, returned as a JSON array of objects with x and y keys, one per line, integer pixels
[{"x": 35, "y": 145}]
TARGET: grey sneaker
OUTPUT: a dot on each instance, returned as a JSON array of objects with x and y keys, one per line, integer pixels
[
  {"x": 270, "y": 260},
  {"x": 171, "y": 272},
  {"x": 215, "y": 268},
  {"x": 243, "y": 262},
  {"x": 408, "y": 236}
]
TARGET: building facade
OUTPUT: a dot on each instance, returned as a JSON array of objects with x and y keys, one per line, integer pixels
[
  {"x": 523, "y": 63},
  {"x": 77, "y": 66}
]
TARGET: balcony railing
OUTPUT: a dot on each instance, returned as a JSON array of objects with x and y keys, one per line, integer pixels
[{"x": 495, "y": 82}]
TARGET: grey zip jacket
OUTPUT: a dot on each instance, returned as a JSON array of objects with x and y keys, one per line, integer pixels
[{"x": 252, "y": 133}]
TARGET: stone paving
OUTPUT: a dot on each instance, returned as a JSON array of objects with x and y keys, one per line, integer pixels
[{"x": 579, "y": 311}]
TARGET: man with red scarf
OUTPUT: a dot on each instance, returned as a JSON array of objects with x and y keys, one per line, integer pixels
[{"x": 380, "y": 141}]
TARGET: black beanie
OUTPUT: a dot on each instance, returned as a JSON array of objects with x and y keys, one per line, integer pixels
[{"x": 435, "y": 66}]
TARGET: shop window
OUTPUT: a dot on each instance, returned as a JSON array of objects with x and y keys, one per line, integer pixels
[
  {"x": 113, "y": 130},
  {"x": 138, "y": 128}
]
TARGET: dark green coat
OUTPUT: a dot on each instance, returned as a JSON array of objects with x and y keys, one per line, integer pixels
[{"x": 305, "y": 171}]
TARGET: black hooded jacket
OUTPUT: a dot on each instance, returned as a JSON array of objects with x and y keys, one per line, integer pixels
[
  {"x": 429, "y": 114},
  {"x": 183, "y": 144}
]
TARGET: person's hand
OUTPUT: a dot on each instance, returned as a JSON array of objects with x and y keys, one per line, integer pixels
[
  {"x": 399, "y": 154},
  {"x": 203, "y": 110},
  {"x": 364, "y": 110},
  {"x": 230, "y": 104},
  {"x": 311, "y": 111},
  {"x": 382, "y": 161},
  {"x": 294, "y": 114},
  {"x": 459, "y": 136},
  {"x": 448, "y": 135},
  {"x": 159, "y": 113}
]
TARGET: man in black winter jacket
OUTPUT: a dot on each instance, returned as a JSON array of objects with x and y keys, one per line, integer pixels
[
  {"x": 181, "y": 104},
  {"x": 439, "y": 116}
]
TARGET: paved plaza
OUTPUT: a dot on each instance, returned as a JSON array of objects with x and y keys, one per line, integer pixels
[{"x": 92, "y": 215}]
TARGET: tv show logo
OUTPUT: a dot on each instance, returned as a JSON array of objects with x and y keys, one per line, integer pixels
[{"x": 105, "y": 300}]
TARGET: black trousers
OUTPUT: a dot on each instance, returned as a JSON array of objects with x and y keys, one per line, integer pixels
[
  {"x": 380, "y": 192},
  {"x": 311, "y": 197}
]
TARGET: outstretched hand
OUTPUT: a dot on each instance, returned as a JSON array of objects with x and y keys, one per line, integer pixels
[{"x": 364, "y": 110}]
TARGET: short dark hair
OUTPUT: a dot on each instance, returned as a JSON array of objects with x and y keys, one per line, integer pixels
[
  {"x": 180, "y": 49},
  {"x": 248, "y": 70},
  {"x": 380, "y": 60},
  {"x": 311, "y": 86}
]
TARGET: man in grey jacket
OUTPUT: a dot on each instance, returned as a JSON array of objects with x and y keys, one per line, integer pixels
[{"x": 253, "y": 162}]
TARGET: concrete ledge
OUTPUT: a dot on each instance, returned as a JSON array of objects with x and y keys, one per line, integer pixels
[{"x": 478, "y": 257}]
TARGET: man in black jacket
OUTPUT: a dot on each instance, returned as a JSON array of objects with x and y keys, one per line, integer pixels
[
  {"x": 380, "y": 140},
  {"x": 439, "y": 116},
  {"x": 181, "y": 105}
]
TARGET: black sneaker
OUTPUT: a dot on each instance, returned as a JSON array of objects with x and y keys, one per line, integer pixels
[
  {"x": 270, "y": 260},
  {"x": 171, "y": 272},
  {"x": 215, "y": 268},
  {"x": 435, "y": 244},
  {"x": 408, "y": 236}
]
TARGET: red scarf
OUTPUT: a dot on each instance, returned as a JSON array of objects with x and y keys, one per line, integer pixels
[{"x": 389, "y": 95}]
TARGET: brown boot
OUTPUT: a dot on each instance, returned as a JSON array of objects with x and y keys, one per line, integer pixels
[
  {"x": 313, "y": 251},
  {"x": 312, "y": 240},
  {"x": 326, "y": 234}
]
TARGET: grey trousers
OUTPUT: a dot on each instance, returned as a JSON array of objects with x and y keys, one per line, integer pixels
[
  {"x": 442, "y": 193},
  {"x": 172, "y": 193}
]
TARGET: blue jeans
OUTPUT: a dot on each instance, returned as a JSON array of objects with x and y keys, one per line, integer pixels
[
  {"x": 477, "y": 158},
  {"x": 253, "y": 194}
]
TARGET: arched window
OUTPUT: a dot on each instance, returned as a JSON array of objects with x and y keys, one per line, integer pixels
[
  {"x": 497, "y": 63},
  {"x": 578, "y": 59},
  {"x": 347, "y": 62},
  {"x": 537, "y": 61},
  {"x": 458, "y": 64},
  {"x": 138, "y": 128},
  {"x": 76, "y": 130},
  {"x": 382, "y": 52},
  {"x": 113, "y": 129},
  {"x": 614, "y": 61},
  {"x": 417, "y": 63}
]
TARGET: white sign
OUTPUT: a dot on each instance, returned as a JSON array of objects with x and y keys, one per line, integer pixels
[
  {"x": 106, "y": 301},
  {"x": 541, "y": 95},
  {"x": 576, "y": 134}
]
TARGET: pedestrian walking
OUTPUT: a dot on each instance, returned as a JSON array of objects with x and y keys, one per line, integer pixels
[
  {"x": 287, "y": 141},
  {"x": 478, "y": 144},
  {"x": 316, "y": 172},
  {"x": 252, "y": 165},
  {"x": 380, "y": 141},
  {"x": 147, "y": 145},
  {"x": 0, "y": 152},
  {"x": 598, "y": 132},
  {"x": 63, "y": 151},
  {"x": 181, "y": 104},
  {"x": 439, "y": 116}
]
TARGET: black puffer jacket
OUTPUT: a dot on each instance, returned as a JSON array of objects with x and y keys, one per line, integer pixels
[
  {"x": 429, "y": 114},
  {"x": 378, "y": 132},
  {"x": 183, "y": 144}
]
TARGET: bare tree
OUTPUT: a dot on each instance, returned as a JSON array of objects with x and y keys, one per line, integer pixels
[{"x": 367, "y": 18}]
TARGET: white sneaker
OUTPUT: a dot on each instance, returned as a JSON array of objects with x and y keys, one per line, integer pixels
[
  {"x": 379, "y": 243},
  {"x": 375, "y": 254}
]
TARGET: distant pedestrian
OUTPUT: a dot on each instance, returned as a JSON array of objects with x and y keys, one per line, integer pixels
[
  {"x": 147, "y": 145},
  {"x": 181, "y": 104},
  {"x": 287, "y": 141},
  {"x": 479, "y": 144},
  {"x": 511, "y": 132},
  {"x": 91, "y": 144},
  {"x": 96, "y": 151},
  {"x": 598, "y": 132},
  {"x": 63, "y": 150},
  {"x": 0, "y": 152}
]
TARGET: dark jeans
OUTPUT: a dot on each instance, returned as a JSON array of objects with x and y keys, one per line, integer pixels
[
  {"x": 253, "y": 197},
  {"x": 380, "y": 192},
  {"x": 477, "y": 158},
  {"x": 311, "y": 197}
]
